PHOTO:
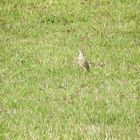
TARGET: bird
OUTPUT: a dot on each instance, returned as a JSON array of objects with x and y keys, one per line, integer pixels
[{"x": 82, "y": 62}]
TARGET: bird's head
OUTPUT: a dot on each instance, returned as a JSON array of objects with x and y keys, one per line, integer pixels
[{"x": 81, "y": 53}]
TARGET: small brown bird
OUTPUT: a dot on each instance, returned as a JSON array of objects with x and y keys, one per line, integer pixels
[{"x": 82, "y": 62}]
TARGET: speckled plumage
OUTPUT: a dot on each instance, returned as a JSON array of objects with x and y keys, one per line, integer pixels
[{"x": 82, "y": 62}]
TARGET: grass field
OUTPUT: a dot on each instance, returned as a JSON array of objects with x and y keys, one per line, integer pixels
[{"x": 44, "y": 94}]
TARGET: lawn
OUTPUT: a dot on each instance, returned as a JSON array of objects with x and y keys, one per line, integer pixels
[{"x": 44, "y": 95}]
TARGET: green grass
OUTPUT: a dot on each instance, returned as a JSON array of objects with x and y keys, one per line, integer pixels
[{"x": 44, "y": 94}]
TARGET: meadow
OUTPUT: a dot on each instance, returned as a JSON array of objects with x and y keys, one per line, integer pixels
[{"x": 44, "y": 95}]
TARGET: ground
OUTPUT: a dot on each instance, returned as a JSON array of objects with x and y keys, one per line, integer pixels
[{"x": 44, "y": 94}]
